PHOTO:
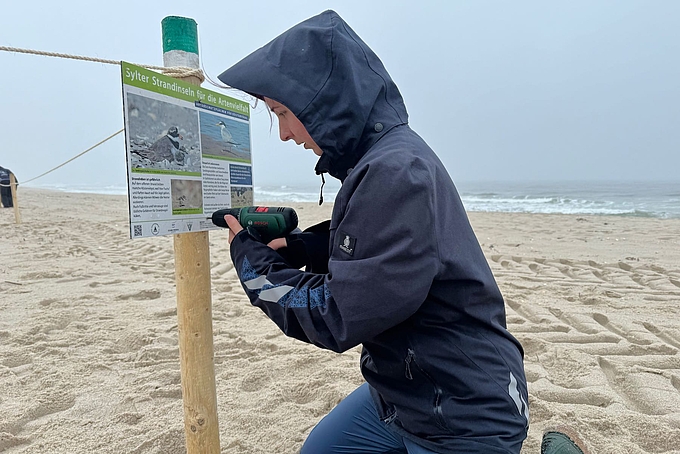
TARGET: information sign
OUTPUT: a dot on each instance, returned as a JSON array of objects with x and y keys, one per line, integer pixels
[{"x": 188, "y": 153}]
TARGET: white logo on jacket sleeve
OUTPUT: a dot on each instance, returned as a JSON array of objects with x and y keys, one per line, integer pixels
[{"x": 347, "y": 244}]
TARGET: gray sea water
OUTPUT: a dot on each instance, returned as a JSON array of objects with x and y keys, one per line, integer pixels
[
  {"x": 640, "y": 199},
  {"x": 653, "y": 199}
]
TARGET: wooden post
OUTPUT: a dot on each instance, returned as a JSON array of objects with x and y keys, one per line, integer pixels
[
  {"x": 15, "y": 201},
  {"x": 192, "y": 275}
]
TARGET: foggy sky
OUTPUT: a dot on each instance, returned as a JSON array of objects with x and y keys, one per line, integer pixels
[{"x": 528, "y": 90}]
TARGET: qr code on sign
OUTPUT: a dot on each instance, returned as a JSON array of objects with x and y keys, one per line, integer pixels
[{"x": 137, "y": 230}]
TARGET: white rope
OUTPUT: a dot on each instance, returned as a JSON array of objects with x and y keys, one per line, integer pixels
[
  {"x": 66, "y": 162},
  {"x": 175, "y": 71}
]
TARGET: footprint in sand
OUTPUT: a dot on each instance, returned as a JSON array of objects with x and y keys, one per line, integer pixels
[
  {"x": 43, "y": 275},
  {"x": 254, "y": 381},
  {"x": 626, "y": 332},
  {"x": 8, "y": 440},
  {"x": 529, "y": 313},
  {"x": 675, "y": 381},
  {"x": 48, "y": 301},
  {"x": 142, "y": 295},
  {"x": 46, "y": 403},
  {"x": 625, "y": 266},
  {"x": 156, "y": 354},
  {"x": 663, "y": 335},
  {"x": 579, "y": 322},
  {"x": 646, "y": 391},
  {"x": 97, "y": 283},
  {"x": 303, "y": 393}
]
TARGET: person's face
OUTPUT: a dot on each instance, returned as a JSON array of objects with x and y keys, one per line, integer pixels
[{"x": 292, "y": 128}]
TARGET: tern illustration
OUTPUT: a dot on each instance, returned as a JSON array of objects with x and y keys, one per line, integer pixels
[{"x": 226, "y": 135}]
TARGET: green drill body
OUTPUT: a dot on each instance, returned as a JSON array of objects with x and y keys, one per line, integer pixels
[{"x": 269, "y": 222}]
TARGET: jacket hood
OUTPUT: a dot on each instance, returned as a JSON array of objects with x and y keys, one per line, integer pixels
[{"x": 331, "y": 81}]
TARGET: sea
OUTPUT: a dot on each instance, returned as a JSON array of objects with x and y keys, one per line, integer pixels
[{"x": 647, "y": 199}]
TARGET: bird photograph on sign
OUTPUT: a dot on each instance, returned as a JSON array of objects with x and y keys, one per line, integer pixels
[
  {"x": 187, "y": 196},
  {"x": 163, "y": 136},
  {"x": 241, "y": 196},
  {"x": 224, "y": 138}
]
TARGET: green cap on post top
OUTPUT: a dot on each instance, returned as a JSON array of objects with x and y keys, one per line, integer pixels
[
  {"x": 180, "y": 33},
  {"x": 180, "y": 42}
]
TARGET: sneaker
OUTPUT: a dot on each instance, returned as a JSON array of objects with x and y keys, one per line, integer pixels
[{"x": 561, "y": 441}]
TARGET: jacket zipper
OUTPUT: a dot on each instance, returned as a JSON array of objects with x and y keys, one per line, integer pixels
[
  {"x": 439, "y": 414},
  {"x": 409, "y": 358}
]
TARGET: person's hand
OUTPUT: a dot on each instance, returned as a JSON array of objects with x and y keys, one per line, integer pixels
[
  {"x": 278, "y": 243},
  {"x": 234, "y": 226}
]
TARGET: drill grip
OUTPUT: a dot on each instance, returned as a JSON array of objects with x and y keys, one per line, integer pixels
[{"x": 269, "y": 222}]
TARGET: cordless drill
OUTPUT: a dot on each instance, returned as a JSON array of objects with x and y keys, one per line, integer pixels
[{"x": 269, "y": 222}]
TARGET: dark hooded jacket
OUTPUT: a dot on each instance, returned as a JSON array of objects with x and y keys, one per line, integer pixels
[
  {"x": 406, "y": 276},
  {"x": 5, "y": 175}
]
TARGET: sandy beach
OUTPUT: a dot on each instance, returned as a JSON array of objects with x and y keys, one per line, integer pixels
[{"x": 89, "y": 358}]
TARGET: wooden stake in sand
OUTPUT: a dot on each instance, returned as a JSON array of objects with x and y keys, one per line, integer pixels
[
  {"x": 15, "y": 201},
  {"x": 192, "y": 275}
]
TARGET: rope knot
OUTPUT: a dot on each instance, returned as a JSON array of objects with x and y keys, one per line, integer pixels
[{"x": 183, "y": 71}]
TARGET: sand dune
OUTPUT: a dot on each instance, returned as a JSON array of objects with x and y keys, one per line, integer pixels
[{"x": 88, "y": 334}]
